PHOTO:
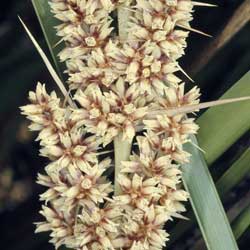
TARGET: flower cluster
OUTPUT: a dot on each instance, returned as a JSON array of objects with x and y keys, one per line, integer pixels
[
  {"x": 85, "y": 29},
  {"x": 120, "y": 87},
  {"x": 74, "y": 177},
  {"x": 107, "y": 114}
]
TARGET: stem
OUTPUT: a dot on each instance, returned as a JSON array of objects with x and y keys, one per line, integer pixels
[
  {"x": 123, "y": 19},
  {"x": 122, "y": 152},
  {"x": 122, "y": 148}
]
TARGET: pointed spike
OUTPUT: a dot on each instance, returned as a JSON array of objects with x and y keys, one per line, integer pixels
[
  {"x": 60, "y": 41},
  {"x": 203, "y": 4},
  {"x": 105, "y": 152},
  {"x": 197, "y": 146},
  {"x": 191, "y": 108},
  {"x": 129, "y": 9},
  {"x": 194, "y": 30},
  {"x": 48, "y": 65},
  {"x": 65, "y": 99},
  {"x": 184, "y": 72}
]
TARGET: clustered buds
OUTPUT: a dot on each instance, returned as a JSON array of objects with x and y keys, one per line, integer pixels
[{"x": 120, "y": 87}]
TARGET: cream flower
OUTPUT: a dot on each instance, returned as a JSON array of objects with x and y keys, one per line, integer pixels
[
  {"x": 157, "y": 22},
  {"x": 84, "y": 41},
  {"x": 175, "y": 96},
  {"x": 108, "y": 113},
  {"x": 147, "y": 233},
  {"x": 87, "y": 188},
  {"x": 178, "y": 127},
  {"x": 145, "y": 66},
  {"x": 168, "y": 146},
  {"x": 149, "y": 164},
  {"x": 85, "y": 26},
  {"x": 95, "y": 228},
  {"x": 60, "y": 225},
  {"x": 72, "y": 148},
  {"x": 98, "y": 70},
  {"x": 136, "y": 191},
  {"x": 44, "y": 111},
  {"x": 172, "y": 200}
]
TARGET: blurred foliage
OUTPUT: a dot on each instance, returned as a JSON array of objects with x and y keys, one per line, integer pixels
[{"x": 21, "y": 68}]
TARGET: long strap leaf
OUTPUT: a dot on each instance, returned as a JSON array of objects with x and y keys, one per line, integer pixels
[
  {"x": 241, "y": 222},
  {"x": 221, "y": 126},
  {"x": 234, "y": 174},
  {"x": 206, "y": 203}
]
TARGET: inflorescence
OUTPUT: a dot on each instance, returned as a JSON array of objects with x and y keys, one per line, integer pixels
[{"x": 119, "y": 86}]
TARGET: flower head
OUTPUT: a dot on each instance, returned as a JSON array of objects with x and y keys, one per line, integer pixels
[
  {"x": 147, "y": 233},
  {"x": 108, "y": 113}
]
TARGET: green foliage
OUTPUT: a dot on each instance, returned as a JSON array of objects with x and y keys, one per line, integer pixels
[
  {"x": 206, "y": 203},
  {"x": 241, "y": 223},
  {"x": 221, "y": 126},
  {"x": 234, "y": 174}
]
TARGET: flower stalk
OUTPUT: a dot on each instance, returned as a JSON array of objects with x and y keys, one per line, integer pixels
[
  {"x": 123, "y": 18},
  {"x": 122, "y": 150}
]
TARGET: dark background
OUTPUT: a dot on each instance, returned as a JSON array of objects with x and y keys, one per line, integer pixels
[{"x": 21, "y": 68}]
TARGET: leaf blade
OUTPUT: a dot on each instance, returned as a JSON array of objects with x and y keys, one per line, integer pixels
[
  {"x": 206, "y": 203},
  {"x": 232, "y": 177},
  {"x": 234, "y": 174},
  {"x": 241, "y": 223},
  {"x": 221, "y": 126}
]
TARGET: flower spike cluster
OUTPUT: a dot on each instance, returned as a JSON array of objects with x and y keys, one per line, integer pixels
[
  {"x": 120, "y": 87},
  {"x": 74, "y": 176}
]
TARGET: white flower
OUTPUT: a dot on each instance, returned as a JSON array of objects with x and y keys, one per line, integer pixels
[{"x": 147, "y": 233}]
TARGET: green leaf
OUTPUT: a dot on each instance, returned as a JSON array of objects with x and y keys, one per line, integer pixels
[
  {"x": 206, "y": 203},
  {"x": 227, "y": 181},
  {"x": 221, "y": 126},
  {"x": 241, "y": 223},
  {"x": 234, "y": 174},
  {"x": 48, "y": 23}
]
